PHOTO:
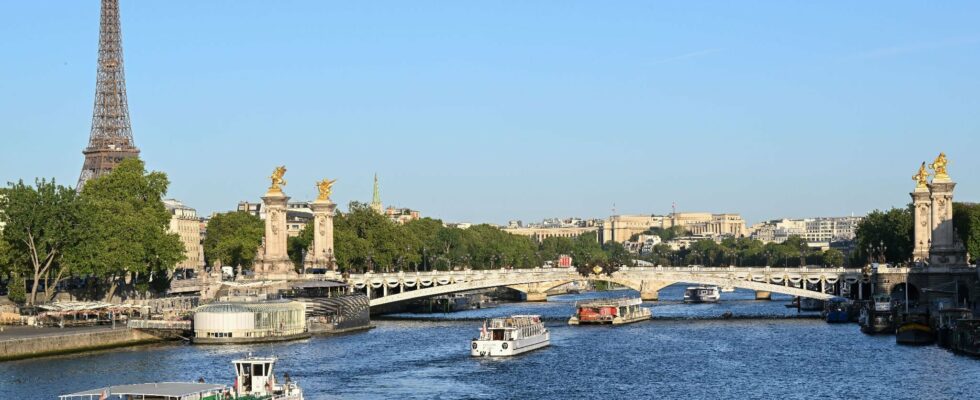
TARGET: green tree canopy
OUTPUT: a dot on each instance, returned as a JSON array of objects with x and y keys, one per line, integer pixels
[
  {"x": 233, "y": 239},
  {"x": 41, "y": 225},
  {"x": 888, "y": 232},
  {"x": 125, "y": 228},
  {"x": 966, "y": 221}
]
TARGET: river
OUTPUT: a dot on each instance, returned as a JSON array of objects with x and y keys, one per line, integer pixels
[{"x": 766, "y": 351}]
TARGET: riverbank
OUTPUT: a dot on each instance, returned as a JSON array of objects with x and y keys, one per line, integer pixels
[{"x": 20, "y": 342}]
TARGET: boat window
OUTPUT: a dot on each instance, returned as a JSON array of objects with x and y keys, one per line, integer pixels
[{"x": 259, "y": 370}]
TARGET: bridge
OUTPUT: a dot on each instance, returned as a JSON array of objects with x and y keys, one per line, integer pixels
[{"x": 394, "y": 287}]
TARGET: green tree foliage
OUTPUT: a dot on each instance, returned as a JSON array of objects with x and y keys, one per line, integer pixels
[
  {"x": 233, "y": 239},
  {"x": 16, "y": 288},
  {"x": 665, "y": 234},
  {"x": 888, "y": 232},
  {"x": 833, "y": 258},
  {"x": 297, "y": 246},
  {"x": 125, "y": 229},
  {"x": 966, "y": 221},
  {"x": 41, "y": 225}
]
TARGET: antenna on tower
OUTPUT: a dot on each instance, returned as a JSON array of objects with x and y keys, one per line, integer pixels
[{"x": 614, "y": 209}]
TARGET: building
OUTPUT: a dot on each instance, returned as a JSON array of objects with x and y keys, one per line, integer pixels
[
  {"x": 184, "y": 222},
  {"x": 248, "y": 322},
  {"x": 538, "y": 235},
  {"x": 621, "y": 228},
  {"x": 812, "y": 230},
  {"x": 298, "y": 214},
  {"x": 401, "y": 215}
]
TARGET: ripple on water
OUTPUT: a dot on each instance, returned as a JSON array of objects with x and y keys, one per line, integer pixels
[{"x": 664, "y": 358}]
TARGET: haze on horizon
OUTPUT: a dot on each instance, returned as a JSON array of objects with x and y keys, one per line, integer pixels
[{"x": 490, "y": 111}]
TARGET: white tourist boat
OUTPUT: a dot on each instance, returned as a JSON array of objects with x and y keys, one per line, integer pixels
[
  {"x": 510, "y": 336},
  {"x": 702, "y": 294},
  {"x": 254, "y": 379}
]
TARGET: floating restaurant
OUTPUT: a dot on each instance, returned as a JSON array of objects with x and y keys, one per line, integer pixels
[{"x": 246, "y": 322}]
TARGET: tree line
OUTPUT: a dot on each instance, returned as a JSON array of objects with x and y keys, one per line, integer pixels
[
  {"x": 365, "y": 240},
  {"x": 109, "y": 239}
]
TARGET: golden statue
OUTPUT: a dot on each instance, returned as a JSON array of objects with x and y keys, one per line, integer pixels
[
  {"x": 277, "y": 180},
  {"x": 324, "y": 187},
  {"x": 921, "y": 178},
  {"x": 939, "y": 167}
]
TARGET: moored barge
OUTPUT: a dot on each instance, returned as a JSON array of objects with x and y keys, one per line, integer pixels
[{"x": 876, "y": 316}]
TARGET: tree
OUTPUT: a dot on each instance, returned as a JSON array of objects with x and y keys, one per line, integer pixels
[
  {"x": 885, "y": 232},
  {"x": 125, "y": 227},
  {"x": 299, "y": 245},
  {"x": 16, "y": 288},
  {"x": 966, "y": 221},
  {"x": 41, "y": 223},
  {"x": 668, "y": 233},
  {"x": 833, "y": 258},
  {"x": 233, "y": 238}
]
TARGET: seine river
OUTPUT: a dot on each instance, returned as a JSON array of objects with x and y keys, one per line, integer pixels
[{"x": 685, "y": 353}]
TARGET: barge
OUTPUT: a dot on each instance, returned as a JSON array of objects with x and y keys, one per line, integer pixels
[{"x": 609, "y": 311}]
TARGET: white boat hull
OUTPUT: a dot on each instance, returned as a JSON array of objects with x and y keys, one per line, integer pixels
[{"x": 505, "y": 348}]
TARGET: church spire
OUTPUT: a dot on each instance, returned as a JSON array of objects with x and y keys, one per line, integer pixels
[{"x": 376, "y": 199}]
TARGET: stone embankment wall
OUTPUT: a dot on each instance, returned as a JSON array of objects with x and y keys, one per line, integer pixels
[{"x": 37, "y": 346}]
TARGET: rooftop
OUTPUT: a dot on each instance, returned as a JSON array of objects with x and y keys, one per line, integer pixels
[{"x": 170, "y": 390}]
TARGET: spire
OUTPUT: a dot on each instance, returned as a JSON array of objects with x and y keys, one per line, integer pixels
[
  {"x": 376, "y": 199},
  {"x": 111, "y": 137}
]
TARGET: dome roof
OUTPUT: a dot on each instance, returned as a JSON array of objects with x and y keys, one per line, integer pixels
[{"x": 267, "y": 306}]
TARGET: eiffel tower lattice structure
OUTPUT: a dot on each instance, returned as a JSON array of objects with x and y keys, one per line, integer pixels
[{"x": 111, "y": 138}]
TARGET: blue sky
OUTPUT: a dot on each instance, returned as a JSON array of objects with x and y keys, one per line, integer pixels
[{"x": 488, "y": 111}]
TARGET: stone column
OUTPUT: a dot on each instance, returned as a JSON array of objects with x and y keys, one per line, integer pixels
[
  {"x": 274, "y": 259},
  {"x": 946, "y": 249},
  {"x": 321, "y": 253},
  {"x": 922, "y": 221}
]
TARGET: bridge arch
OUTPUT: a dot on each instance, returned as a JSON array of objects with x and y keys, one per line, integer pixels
[{"x": 538, "y": 284}]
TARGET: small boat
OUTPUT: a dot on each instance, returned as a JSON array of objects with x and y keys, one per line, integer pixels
[
  {"x": 946, "y": 324},
  {"x": 836, "y": 311},
  {"x": 254, "y": 379},
  {"x": 876, "y": 317},
  {"x": 702, "y": 294},
  {"x": 615, "y": 312},
  {"x": 914, "y": 329},
  {"x": 510, "y": 336},
  {"x": 809, "y": 304}
]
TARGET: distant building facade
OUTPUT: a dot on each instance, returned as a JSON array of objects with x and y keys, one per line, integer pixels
[
  {"x": 812, "y": 230},
  {"x": 184, "y": 222},
  {"x": 298, "y": 214},
  {"x": 538, "y": 235},
  {"x": 621, "y": 228},
  {"x": 402, "y": 215}
]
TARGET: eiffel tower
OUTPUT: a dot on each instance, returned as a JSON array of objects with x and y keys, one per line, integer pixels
[{"x": 111, "y": 138}]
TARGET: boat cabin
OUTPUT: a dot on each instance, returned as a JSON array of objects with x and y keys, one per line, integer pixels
[
  {"x": 253, "y": 375},
  {"x": 511, "y": 328}
]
